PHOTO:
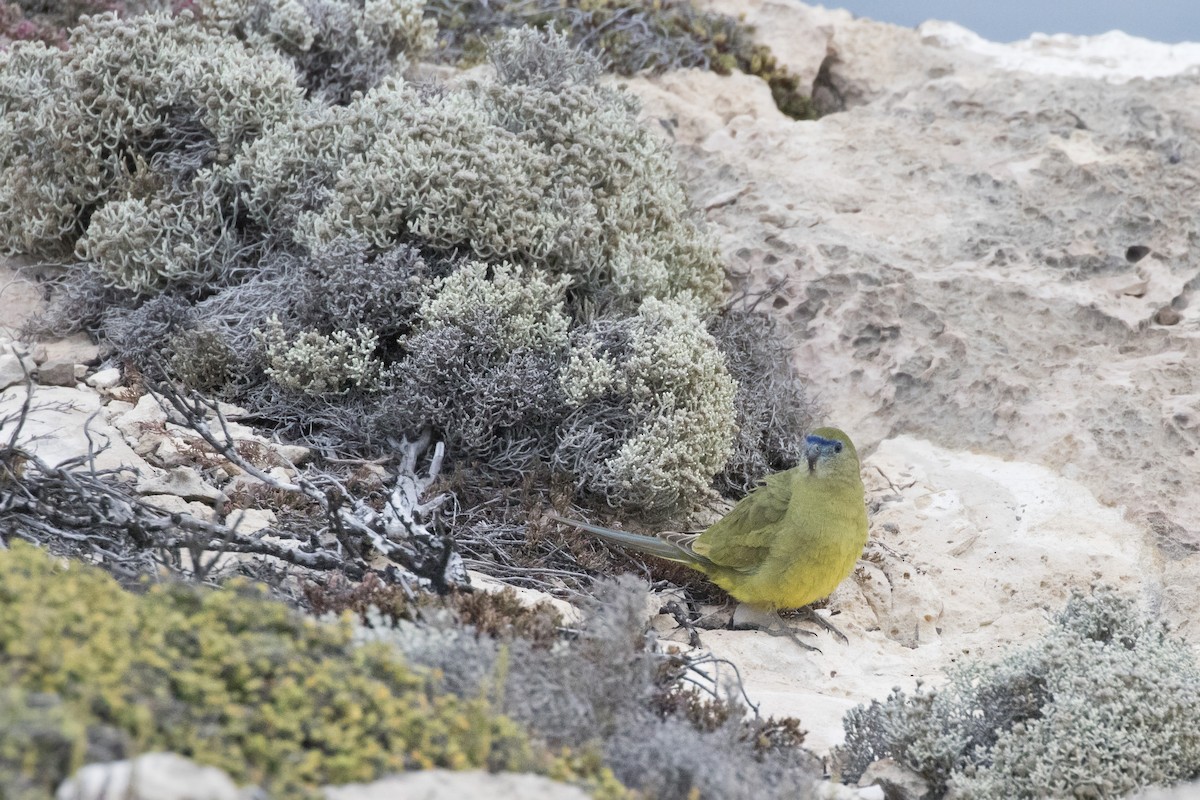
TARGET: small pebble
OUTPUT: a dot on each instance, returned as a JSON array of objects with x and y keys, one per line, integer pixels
[{"x": 1167, "y": 316}]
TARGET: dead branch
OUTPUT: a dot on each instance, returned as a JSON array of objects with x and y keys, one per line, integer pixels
[{"x": 75, "y": 507}]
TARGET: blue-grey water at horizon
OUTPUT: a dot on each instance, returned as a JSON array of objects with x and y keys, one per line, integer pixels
[{"x": 1160, "y": 20}]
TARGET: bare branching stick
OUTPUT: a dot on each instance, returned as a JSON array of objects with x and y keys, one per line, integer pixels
[
  {"x": 402, "y": 533},
  {"x": 76, "y": 507}
]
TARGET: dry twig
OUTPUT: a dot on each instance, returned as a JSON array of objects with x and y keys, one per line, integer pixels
[{"x": 75, "y": 507}]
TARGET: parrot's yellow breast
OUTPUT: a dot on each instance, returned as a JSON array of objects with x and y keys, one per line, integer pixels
[{"x": 812, "y": 550}]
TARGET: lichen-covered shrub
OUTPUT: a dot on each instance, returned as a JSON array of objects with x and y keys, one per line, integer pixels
[
  {"x": 381, "y": 290},
  {"x": 527, "y": 304},
  {"x": 1106, "y": 703},
  {"x": 638, "y": 409},
  {"x": 227, "y": 678},
  {"x": 144, "y": 245},
  {"x": 774, "y": 411},
  {"x": 290, "y": 170},
  {"x": 653, "y": 414},
  {"x": 542, "y": 167},
  {"x": 634, "y": 227},
  {"x": 338, "y": 46},
  {"x": 482, "y": 366},
  {"x": 433, "y": 168},
  {"x": 562, "y": 198},
  {"x": 443, "y": 258},
  {"x": 80, "y": 126},
  {"x": 202, "y": 360},
  {"x": 314, "y": 363},
  {"x": 142, "y": 334}
]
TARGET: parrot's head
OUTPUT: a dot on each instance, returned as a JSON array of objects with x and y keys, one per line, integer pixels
[{"x": 829, "y": 451}]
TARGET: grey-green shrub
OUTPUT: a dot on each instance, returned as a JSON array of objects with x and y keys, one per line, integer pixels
[
  {"x": 510, "y": 262},
  {"x": 530, "y": 168},
  {"x": 659, "y": 380},
  {"x": 548, "y": 180},
  {"x": 316, "y": 363},
  {"x": 91, "y": 124},
  {"x": 382, "y": 290},
  {"x": 631, "y": 36},
  {"x": 528, "y": 304},
  {"x": 774, "y": 411},
  {"x": 481, "y": 366},
  {"x": 146, "y": 244},
  {"x": 1106, "y": 703},
  {"x": 594, "y": 691},
  {"x": 339, "y": 47}
]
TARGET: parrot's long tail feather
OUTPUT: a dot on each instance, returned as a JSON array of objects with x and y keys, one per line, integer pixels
[{"x": 634, "y": 541}]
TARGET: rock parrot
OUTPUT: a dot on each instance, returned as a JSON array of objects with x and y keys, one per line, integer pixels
[{"x": 789, "y": 542}]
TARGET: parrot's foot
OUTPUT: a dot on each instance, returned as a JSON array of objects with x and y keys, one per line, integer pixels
[
  {"x": 787, "y": 630},
  {"x": 747, "y": 618},
  {"x": 811, "y": 615}
]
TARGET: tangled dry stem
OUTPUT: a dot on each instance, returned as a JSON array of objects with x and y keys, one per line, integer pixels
[{"x": 75, "y": 507}]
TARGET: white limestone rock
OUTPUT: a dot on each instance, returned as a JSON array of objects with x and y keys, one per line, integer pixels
[
  {"x": 153, "y": 776},
  {"x": 897, "y": 781},
  {"x": 977, "y": 553},
  {"x": 64, "y": 423},
  {"x": 441, "y": 784},
  {"x": 974, "y": 277},
  {"x": 14, "y": 370},
  {"x": 105, "y": 378},
  {"x": 77, "y": 348},
  {"x": 251, "y": 520},
  {"x": 182, "y": 482},
  {"x": 174, "y": 504},
  {"x": 145, "y": 426}
]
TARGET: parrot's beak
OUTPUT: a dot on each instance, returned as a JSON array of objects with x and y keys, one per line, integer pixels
[{"x": 811, "y": 453}]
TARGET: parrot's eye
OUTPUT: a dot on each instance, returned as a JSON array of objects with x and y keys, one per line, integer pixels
[{"x": 837, "y": 448}]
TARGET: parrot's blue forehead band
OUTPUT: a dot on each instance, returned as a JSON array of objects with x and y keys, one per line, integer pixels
[{"x": 821, "y": 441}]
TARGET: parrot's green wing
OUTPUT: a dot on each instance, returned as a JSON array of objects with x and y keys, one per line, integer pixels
[{"x": 742, "y": 538}]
